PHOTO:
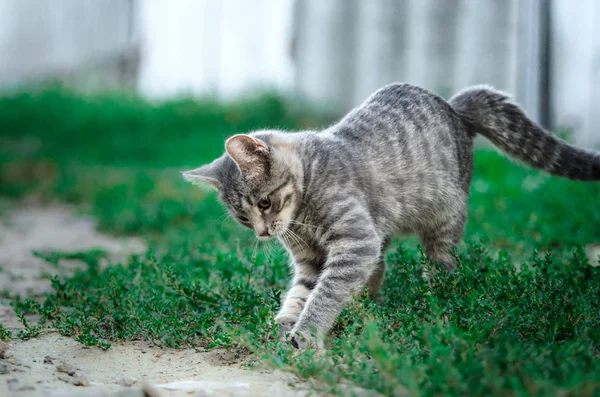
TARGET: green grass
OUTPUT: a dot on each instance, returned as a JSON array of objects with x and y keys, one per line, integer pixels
[{"x": 486, "y": 330}]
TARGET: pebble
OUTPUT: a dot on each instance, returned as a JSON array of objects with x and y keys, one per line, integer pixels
[
  {"x": 3, "y": 349},
  {"x": 20, "y": 363},
  {"x": 149, "y": 391},
  {"x": 78, "y": 380},
  {"x": 127, "y": 381},
  {"x": 15, "y": 385},
  {"x": 63, "y": 367}
]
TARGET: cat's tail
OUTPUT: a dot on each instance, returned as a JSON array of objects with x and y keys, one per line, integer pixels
[{"x": 493, "y": 114}]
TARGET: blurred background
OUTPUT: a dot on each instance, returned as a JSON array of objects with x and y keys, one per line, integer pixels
[{"x": 332, "y": 53}]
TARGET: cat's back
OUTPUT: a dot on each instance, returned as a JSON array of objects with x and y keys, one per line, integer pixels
[
  {"x": 404, "y": 131},
  {"x": 399, "y": 109}
]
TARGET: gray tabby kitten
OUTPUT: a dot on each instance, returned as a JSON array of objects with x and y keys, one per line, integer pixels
[{"x": 399, "y": 163}]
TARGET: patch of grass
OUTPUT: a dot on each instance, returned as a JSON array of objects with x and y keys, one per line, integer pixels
[
  {"x": 5, "y": 335},
  {"x": 486, "y": 330}
]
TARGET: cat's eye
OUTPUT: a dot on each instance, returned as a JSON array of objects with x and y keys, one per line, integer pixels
[{"x": 264, "y": 203}]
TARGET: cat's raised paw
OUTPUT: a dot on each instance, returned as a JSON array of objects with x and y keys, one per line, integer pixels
[
  {"x": 285, "y": 326},
  {"x": 304, "y": 340}
]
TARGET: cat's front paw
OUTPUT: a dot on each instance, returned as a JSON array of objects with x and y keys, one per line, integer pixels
[
  {"x": 305, "y": 340},
  {"x": 286, "y": 324}
]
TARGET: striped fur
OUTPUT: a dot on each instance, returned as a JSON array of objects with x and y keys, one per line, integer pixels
[
  {"x": 492, "y": 114},
  {"x": 399, "y": 163}
]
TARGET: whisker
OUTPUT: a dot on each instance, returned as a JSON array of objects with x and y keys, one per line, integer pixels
[
  {"x": 254, "y": 249},
  {"x": 297, "y": 236},
  {"x": 225, "y": 217},
  {"x": 297, "y": 239},
  {"x": 293, "y": 222},
  {"x": 268, "y": 250},
  {"x": 292, "y": 238},
  {"x": 273, "y": 245},
  {"x": 282, "y": 235},
  {"x": 285, "y": 236}
]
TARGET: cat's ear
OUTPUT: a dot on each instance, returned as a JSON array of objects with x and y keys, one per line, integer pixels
[
  {"x": 250, "y": 154},
  {"x": 207, "y": 175}
]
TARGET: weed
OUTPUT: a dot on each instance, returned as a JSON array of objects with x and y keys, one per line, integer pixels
[{"x": 5, "y": 335}]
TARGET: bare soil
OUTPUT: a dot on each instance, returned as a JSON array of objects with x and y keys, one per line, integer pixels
[{"x": 53, "y": 365}]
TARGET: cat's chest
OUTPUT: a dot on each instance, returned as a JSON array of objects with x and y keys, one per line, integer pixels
[{"x": 305, "y": 249}]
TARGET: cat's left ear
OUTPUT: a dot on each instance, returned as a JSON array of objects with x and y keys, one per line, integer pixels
[
  {"x": 250, "y": 154},
  {"x": 207, "y": 175}
]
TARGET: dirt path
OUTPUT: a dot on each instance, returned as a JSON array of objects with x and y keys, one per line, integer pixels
[{"x": 53, "y": 365}]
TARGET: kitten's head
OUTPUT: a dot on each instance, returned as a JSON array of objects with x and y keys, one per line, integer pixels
[{"x": 259, "y": 180}]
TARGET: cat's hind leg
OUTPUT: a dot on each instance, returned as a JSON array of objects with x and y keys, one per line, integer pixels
[
  {"x": 439, "y": 239},
  {"x": 378, "y": 274},
  {"x": 376, "y": 278}
]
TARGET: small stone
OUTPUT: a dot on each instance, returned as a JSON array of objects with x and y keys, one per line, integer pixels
[
  {"x": 64, "y": 378},
  {"x": 3, "y": 349},
  {"x": 4, "y": 369},
  {"x": 127, "y": 381},
  {"x": 49, "y": 360},
  {"x": 15, "y": 385},
  {"x": 20, "y": 363},
  {"x": 63, "y": 367},
  {"x": 77, "y": 380},
  {"x": 149, "y": 391}
]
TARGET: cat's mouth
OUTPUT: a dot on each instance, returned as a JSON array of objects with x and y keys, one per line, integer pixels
[
  {"x": 269, "y": 232},
  {"x": 264, "y": 235}
]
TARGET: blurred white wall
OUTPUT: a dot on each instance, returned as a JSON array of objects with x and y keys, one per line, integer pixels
[
  {"x": 329, "y": 51},
  {"x": 223, "y": 48},
  {"x": 441, "y": 45},
  {"x": 65, "y": 39},
  {"x": 576, "y": 68},
  {"x": 349, "y": 48},
  {"x": 346, "y": 49}
]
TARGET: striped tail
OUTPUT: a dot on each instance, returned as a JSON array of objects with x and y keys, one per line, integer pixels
[{"x": 492, "y": 114}]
